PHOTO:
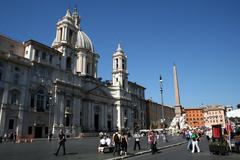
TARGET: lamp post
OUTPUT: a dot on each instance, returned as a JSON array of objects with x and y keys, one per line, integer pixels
[
  {"x": 50, "y": 111},
  {"x": 161, "y": 91}
]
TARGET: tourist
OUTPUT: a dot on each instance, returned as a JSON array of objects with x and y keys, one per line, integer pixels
[
  {"x": 108, "y": 141},
  {"x": 136, "y": 137},
  {"x": 152, "y": 140},
  {"x": 188, "y": 135},
  {"x": 195, "y": 139},
  {"x": 117, "y": 143},
  {"x": 62, "y": 140},
  {"x": 124, "y": 143},
  {"x": 103, "y": 142}
]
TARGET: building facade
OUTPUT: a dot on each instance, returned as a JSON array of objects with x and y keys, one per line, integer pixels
[
  {"x": 46, "y": 88},
  {"x": 194, "y": 117},
  {"x": 214, "y": 115},
  {"x": 159, "y": 116}
]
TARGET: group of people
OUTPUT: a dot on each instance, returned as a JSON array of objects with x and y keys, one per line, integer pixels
[
  {"x": 193, "y": 137},
  {"x": 11, "y": 137},
  {"x": 119, "y": 142}
]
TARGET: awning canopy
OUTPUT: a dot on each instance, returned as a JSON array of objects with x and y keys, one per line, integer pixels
[{"x": 234, "y": 114}]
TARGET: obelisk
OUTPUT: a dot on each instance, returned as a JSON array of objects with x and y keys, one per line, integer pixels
[{"x": 178, "y": 107}]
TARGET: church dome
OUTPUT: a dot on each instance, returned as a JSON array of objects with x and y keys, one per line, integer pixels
[{"x": 83, "y": 41}]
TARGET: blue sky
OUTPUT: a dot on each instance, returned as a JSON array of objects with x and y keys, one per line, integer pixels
[{"x": 202, "y": 37}]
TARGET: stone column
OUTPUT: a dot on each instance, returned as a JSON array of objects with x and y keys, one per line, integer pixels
[
  {"x": 22, "y": 122},
  {"x": 79, "y": 63},
  {"x": 84, "y": 64},
  {"x": 62, "y": 36},
  {"x": 3, "y": 114},
  {"x": 96, "y": 68},
  {"x": 61, "y": 111},
  {"x": 118, "y": 117},
  {"x": 76, "y": 116},
  {"x": 64, "y": 33},
  {"x": 90, "y": 115},
  {"x": 105, "y": 114},
  {"x": 90, "y": 69}
]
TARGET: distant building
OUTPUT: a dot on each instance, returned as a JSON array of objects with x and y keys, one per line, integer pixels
[
  {"x": 156, "y": 114},
  {"x": 214, "y": 114},
  {"x": 194, "y": 117}
]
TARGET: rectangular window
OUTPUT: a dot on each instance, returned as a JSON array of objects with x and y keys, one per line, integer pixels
[
  {"x": 50, "y": 59},
  {"x": 44, "y": 55},
  {"x": 30, "y": 130},
  {"x": 11, "y": 124},
  {"x": 36, "y": 54},
  {"x": 46, "y": 130},
  {"x": 32, "y": 101},
  {"x": 40, "y": 103}
]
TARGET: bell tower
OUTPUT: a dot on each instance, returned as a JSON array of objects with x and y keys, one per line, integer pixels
[
  {"x": 120, "y": 73},
  {"x": 78, "y": 54},
  {"x": 67, "y": 28},
  {"x": 66, "y": 34}
]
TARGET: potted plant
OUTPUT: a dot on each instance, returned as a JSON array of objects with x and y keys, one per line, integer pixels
[{"x": 218, "y": 147}]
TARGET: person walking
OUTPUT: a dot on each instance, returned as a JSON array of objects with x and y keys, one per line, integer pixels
[
  {"x": 62, "y": 140},
  {"x": 152, "y": 140},
  {"x": 50, "y": 136},
  {"x": 136, "y": 137},
  {"x": 124, "y": 143},
  {"x": 165, "y": 136},
  {"x": 195, "y": 139},
  {"x": 188, "y": 135},
  {"x": 117, "y": 143}
]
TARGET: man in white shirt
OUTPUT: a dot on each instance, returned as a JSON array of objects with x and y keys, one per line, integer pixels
[
  {"x": 108, "y": 141},
  {"x": 137, "y": 140},
  {"x": 103, "y": 142}
]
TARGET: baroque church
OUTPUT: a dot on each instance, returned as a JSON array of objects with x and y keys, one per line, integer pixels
[{"x": 44, "y": 89}]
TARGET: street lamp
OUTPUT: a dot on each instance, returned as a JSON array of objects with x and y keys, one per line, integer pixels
[
  {"x": 50, "y": 111},
  {"x": 161, "y": 91}
]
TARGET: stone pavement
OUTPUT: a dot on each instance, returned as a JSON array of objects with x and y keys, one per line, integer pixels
[
  {"x": 161, "y": 145},
  {"x": 77, "y": 149}
]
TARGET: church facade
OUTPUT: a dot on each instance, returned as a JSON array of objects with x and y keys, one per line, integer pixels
[{"x": 45, "y": 89}]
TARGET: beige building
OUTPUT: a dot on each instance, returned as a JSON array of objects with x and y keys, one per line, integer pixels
[
  {"x": 158, "y": 115},
  {"x": 214, "y": 115},
  {"x": 46, "y": 88}
]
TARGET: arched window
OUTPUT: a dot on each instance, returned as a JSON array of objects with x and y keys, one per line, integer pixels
[
  {"x": 116, "y": 63},
  {"x": 88, "y": 68},
  {"x": 70, "y": 36},
  {"x": 68, "y": 65},
  {"x": 40, "y": 100},
  {"x": 15, "y": 97}
]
